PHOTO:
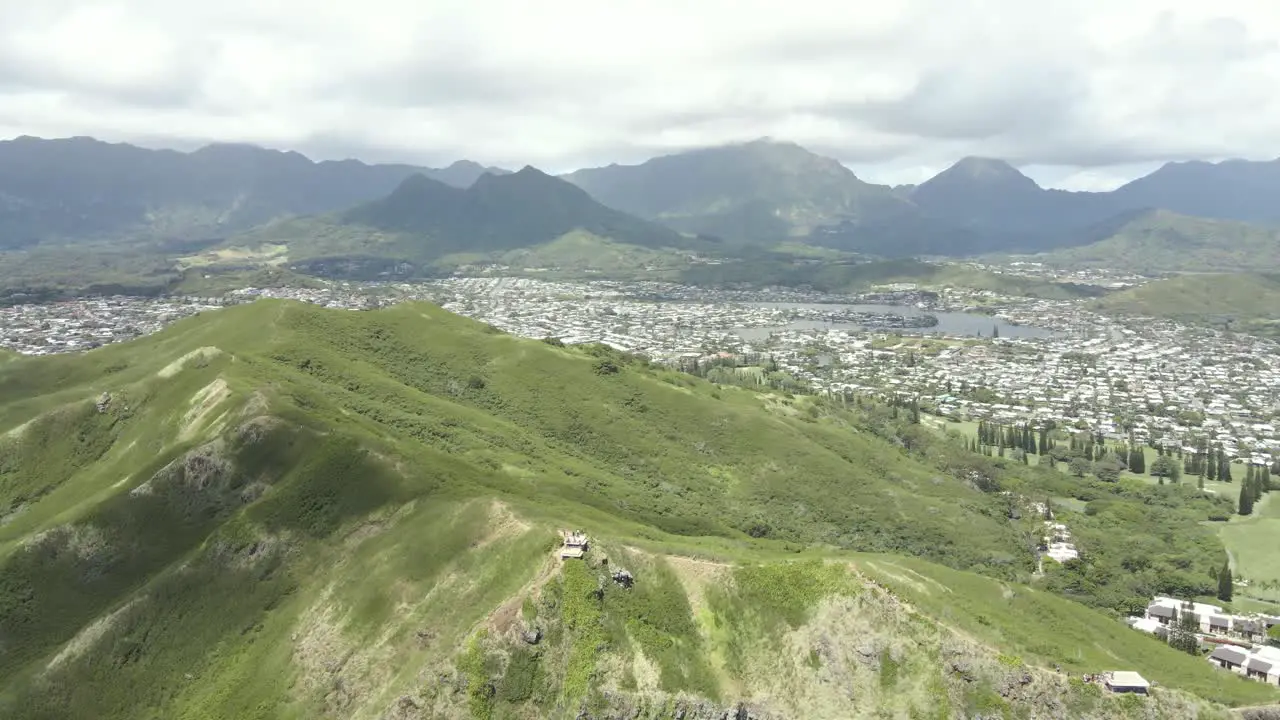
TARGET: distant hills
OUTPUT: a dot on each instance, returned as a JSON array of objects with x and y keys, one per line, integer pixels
[
  {"x": 763, "y": 190},
  {"x": 1159, "y": 241},
  {"x": 79, "y": 189},
  {"x": 423, "y": 220},
  {"x": 1243, "y": 302},
  {"x": 165, "y": 205},
  {"x": 1230, "y": 190},
  {"x": 759, "y": 191}
]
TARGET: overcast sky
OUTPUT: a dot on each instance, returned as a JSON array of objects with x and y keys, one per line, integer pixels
[{"x": 1079, "y": 93}]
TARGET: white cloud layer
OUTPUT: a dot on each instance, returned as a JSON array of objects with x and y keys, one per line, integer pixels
[{"x": 1081, "y": 93}]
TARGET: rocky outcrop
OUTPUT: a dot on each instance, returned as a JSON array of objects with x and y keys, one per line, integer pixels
[{"x": 628, "y": 707}]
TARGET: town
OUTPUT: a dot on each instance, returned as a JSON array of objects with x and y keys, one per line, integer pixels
[{"x": 966, "y": 355}]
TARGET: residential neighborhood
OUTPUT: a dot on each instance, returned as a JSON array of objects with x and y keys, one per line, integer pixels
[
  {"x": 966, "y": 355},
  {"x": 1239, "y": 641}
]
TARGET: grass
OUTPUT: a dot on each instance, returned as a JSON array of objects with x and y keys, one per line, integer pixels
[
  {"x": 266, "y": 254},
  {"x": 1244, "y": 301},
  {"x": 1162, "y": 241},
  {"x": 1251, "y": 541},
  {"x": 1048, "y": 629},
  {"x": 764, "y": 601},
  {"x": 358, "y": 508}
]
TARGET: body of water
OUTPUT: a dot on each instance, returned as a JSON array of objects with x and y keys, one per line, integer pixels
[{"x": 949, "y": 323}]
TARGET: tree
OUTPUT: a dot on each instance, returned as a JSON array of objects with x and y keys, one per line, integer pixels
[
  {"x": 1137, "y": 461},
  {"x": 1107, "y": 471},
  {"x": 1246, "y": 500},
  {"x": 1224, "y": 582},
  {"x": 1182, "y": 633},
  {"x": 1165, "y": 467},
  {"x": 1079, "y": 466}
]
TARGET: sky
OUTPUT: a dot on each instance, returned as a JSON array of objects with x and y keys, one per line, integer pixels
[{"x": 1080, "y": 94}]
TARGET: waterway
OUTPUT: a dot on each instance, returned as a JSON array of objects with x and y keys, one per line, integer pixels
[{"x": 949, "y": 323}]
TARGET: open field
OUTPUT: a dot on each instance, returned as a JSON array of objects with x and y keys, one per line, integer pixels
[
  {"x": 1254, "y": 544},
  {"x": 265, "y": 254}
]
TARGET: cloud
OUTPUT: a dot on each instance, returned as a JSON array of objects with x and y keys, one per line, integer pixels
[{"x": 1079, "y": 89}]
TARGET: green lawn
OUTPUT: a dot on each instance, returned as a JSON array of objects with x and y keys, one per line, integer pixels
[{"x": 1254, "y": 544}]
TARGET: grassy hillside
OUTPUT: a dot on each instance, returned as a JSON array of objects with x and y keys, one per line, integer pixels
[
  {"x": 1250, "y": 540},
  {"x": 1161, "y": 241},
  {"x": 583, "y": 254},
  {"x": 284, "y": 511},
  {"x": 1247, "y": 302},
  {"x": 87, "y": 268}
]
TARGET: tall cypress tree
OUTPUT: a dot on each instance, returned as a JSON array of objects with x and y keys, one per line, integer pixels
[
  {"x": 1224, "y": 582},
  {"x": 1246, "y": 501}
]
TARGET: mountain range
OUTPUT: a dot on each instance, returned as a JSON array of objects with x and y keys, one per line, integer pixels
[
  {"x": 424, "y": 220},
  {"x": 80, "y": 188},
  {"x": 721, "y": 199},
  {"x": 766, "y": 189}
]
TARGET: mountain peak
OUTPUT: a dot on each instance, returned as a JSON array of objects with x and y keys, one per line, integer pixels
[
  {"x": 527, "y": 176},
  {"x": 987, "y": 169},
  {"x": 980, "y": 174},
  {"x": 418, "y": 182}
]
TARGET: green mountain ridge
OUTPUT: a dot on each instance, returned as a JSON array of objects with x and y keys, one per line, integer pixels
[
  {"x": 281, "y": 511},
  {"x": 1245, "y": 302},
  {"x": 423, "y": 220},
  {"x": 1160, "y": 241}
]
